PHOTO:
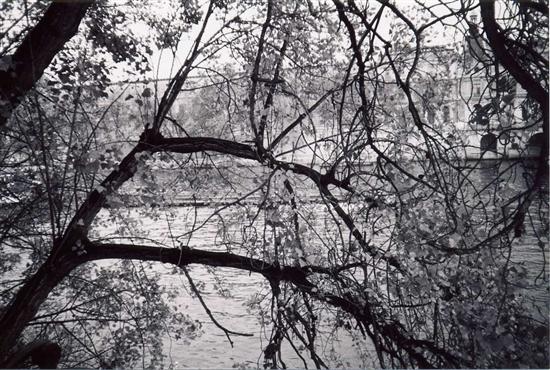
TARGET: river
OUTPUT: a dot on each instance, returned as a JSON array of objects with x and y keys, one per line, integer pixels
[{"x": 231, "y": 294}]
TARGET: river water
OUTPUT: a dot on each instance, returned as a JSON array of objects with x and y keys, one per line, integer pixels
[{"x": 231, "y": 294}]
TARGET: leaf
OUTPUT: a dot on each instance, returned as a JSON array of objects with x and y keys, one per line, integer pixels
[
  {"x": 146, "y": 93},
  {"x": 454, "y": 240}
]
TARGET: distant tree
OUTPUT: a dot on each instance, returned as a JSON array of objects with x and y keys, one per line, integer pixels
[{"x": 318, "y": 141}]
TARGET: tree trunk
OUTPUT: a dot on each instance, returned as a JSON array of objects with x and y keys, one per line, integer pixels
[
  {"x": 28, "y": 300},
  {"x": 59, "y": 23}
]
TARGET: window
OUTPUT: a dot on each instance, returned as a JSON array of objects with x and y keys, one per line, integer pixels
[
  {"x": 476, "y": 93},
  {"x": 446, "y": 114}
]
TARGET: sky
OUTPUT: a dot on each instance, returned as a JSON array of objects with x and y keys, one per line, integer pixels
[{"x": 165, "y": 63}]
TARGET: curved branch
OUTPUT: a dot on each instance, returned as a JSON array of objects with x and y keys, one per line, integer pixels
[
  {"x": 185, "y": 256},
  {"x": 201, "y": 144},
  {"x": 533, "y": 87},
  {"x": 209, "y": 312},
  {"x": 497, "y": 41},
  {"x": 296, "y": 275}
]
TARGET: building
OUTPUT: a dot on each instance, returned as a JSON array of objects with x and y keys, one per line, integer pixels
[{"x": 456, "y": 90}]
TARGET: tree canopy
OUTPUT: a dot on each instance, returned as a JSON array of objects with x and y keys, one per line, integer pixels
[{"x": 332, "y": 147}]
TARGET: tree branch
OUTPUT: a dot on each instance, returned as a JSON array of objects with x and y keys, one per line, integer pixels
[
  {"x": 201, "y": 144},
  {"x": 295, "y": 275},
  {"x": 39, "y": 47},
  {"x": 209, "y": 312},
  {"x": 497, "y": 41},
  {"x": 185, "y": 256}
]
